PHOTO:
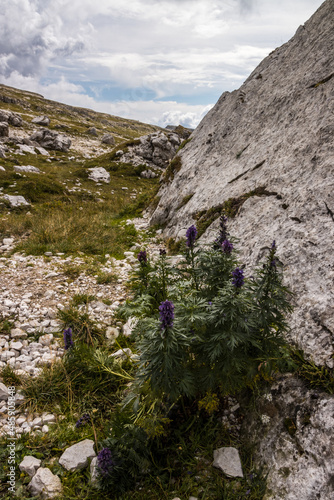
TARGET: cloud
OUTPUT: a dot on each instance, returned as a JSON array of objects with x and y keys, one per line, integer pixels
[
  {"x": 33, "y": 33},
  {"x": 158, "y": 54}
]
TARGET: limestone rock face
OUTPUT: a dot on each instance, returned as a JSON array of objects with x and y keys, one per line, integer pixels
[
  {"x": 272, "y": 140},
  {"x": 51, "y": 140},
  {"x": 297, "y": 444}
]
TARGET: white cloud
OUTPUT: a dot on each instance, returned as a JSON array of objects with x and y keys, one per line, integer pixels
[{"x": 164, "y": 48}]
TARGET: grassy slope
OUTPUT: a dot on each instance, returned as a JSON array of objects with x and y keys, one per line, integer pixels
[{"x": 61, "y": 219}]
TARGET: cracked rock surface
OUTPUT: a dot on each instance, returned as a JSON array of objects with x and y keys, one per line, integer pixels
[{"x": 272, "y": 141}]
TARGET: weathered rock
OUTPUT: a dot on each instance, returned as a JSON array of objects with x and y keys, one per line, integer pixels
[
  {"x": 99, "y": 174},
  {"x": 41, "y": 120},
  {"x": 13, "y": 119},
  {"x": 51, "y": 140},
  {"x": 257, "y": 147},
  {"x": 16, "y": 201},
  {"x": 27, "y": 168},
  {"x": 18, "y": 333},
  {"x": 297, "y": 443},
  {"x": 155, "y": 149},
  {"x": 129, "y": 326},
  {"x": 76, "y": 457},
  {"x": 227, "y": 459},
  {"x": 148, "y": 174},
  {"x": 45, "y": 483},
  {"x": 108, "y": 139},
  {"x": 92, "y": 131},
  {"x": 4, "y": 130},
  {"x": 29, "y": 465}
]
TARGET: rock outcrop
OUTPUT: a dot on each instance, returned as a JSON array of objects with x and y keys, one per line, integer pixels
[
  {"x": 51, "y": 140},
  {"x": 267, "y": 148},
  {"x": 153, "y": 150}
]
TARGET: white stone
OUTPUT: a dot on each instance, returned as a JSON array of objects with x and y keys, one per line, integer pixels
[
  {"x": 122, "y": 353},
  {"x": 227, "y": 459},
  {"x": 16, "y": 345},
  {"x": 27, "y": 168},
  {"x": 76, "y": 457},
  {"x": 29, "y": 465},
  {"x": 16, "y": 201},
  {"x": 16, "y": 333},
  {"x": 45, "y": 428},
  {"x": 47, "y": 338},
  {"x": 8, "y": 241},
  {"x": 45, "y": 483},
  {"x": 129, "y": 326},
  {"x": 48, "y": 418}
]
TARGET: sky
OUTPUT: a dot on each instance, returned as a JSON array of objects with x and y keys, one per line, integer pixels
[{"x": 158, "y": 61}]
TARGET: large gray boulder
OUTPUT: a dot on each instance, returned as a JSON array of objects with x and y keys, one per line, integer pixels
[
  {"x": 99, "y": 174},
  {"x": 4, "y": 130},
  {"x": 51, "y": 140},
  {"x": 45, "y": 483},
  {"x": 77, "y": 456},
  {"x": 155, "y": 150},
  {"x": 41, "y": 120},
  {"x": 11, "y": 118},
  {"x": 268, "y": 147},
  {"x": 108, "y": 139}
]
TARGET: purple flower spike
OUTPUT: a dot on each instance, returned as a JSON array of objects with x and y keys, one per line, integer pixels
[
  {"x": 166, "y": 314},
  {"x": 142, "y": 257},
  {"x": 273, "y": 245},
  {"x": 227, "y": 247},
  {"x": 104, "y": 461},
  {"x": 191, "y": 236},
  {"x": 238, "y": 277},
  {"x": 68, "y": 338}
]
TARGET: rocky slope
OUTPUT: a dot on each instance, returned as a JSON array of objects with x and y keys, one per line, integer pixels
[{"x": 264, "y": 155}]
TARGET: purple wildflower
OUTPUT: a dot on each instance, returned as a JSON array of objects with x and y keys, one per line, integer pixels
[
  {"x": 68, "y": 338},
  {"x": 166, "y": 309},
  {"x": 191, "y": 236},
  {"x": 238, "y": 277},
  {"x": 162, "y": 252},
  {"x": 227, "y": 247},
  {"x": 82, "y": 420},
  {"x": 142, "y": 257},
  {"x": 273, "y": 245},
  {"x": 104, "y": 461}
]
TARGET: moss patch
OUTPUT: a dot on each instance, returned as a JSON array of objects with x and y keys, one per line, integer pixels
[{"x": 173, "y": 167}]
